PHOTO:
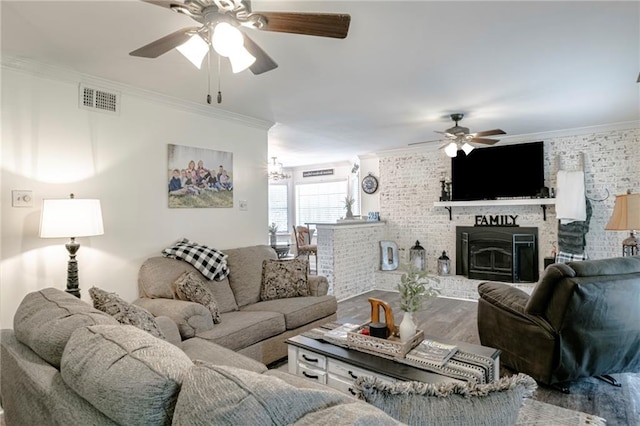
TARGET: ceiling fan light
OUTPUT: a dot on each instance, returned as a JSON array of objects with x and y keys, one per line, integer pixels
[
  {"x": 227, "y": 39},
  {"x": 194, "y": 49},
  {"x": 241, "y": 60},
  {"x": 451, "y": 150},
  {"x": 467, "y": 148}
]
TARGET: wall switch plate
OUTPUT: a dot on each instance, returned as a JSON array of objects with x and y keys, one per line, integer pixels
[
  {"x": 21, "y": 198},
  {"x": 244, "y": 205}
]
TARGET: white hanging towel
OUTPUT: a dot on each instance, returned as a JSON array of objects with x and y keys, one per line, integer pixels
[{"x": 571, "y": 205}]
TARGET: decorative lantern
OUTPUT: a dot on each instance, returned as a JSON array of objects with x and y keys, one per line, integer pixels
[
  {"x": 444, "y": 264},
  {"x": 417, "y": 256}
]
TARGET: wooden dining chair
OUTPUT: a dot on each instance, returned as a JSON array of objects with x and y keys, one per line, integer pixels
[{"x": 304, "y": 247}]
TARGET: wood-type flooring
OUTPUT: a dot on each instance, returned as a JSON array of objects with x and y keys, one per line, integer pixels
[{"x": 456, "y": 319}]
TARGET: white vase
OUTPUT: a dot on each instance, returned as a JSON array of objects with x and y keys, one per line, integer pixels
[
  {"x": 273, "y": 239},
  {"x": 407, "y": 327}
]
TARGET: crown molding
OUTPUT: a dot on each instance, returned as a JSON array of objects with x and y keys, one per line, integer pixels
[
  {"x": 54, "y": 72},
  {"x": 528, "y": 137}
]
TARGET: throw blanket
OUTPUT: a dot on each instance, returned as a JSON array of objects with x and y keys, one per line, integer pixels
[
  {"x": 572, "y": 236},
  {"x": 570, "y": 197}
]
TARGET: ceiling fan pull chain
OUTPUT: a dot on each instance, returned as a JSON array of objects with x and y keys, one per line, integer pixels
[{"x": 219, "y": 92}]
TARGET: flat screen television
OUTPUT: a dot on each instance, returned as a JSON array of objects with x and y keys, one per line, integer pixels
[{"x": 501, "y": 172}]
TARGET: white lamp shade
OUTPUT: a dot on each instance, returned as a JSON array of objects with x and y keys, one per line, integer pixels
[
  {"x": 626, "y": 213},
  {"x": 241, "y": 60},
  {"x": 226, "y": 39},
  {"x": 194, "y": 49},
  {"x": 71, "y": 217},
  {"x": 467, "y": 148},
  {"x": 451, "y": 150}
]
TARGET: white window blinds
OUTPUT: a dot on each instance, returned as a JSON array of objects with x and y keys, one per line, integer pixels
[
  {"x": 278, "y": 206},
  {"x": 320, "y": 202}
]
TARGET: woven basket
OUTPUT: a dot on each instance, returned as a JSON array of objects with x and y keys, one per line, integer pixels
[{"x": 392, "y": 346}]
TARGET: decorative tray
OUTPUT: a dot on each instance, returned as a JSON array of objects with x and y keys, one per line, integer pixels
[{"x": 392, "y": 346}]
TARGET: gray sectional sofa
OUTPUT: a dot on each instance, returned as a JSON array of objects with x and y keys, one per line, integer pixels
[
  {"x": 66, "y": 363},
  {"x": 248, "y": 325}
]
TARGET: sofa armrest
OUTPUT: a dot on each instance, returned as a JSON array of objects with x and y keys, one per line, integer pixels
[
  {"x": 510, "y": 299},
  {"x": 169, "y": 330},
  {"x": 318, "y": 285},
  {"x": 190, "y": 317}
]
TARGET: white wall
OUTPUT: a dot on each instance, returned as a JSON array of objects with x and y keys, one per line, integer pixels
[{"x": 53, "y": 148}]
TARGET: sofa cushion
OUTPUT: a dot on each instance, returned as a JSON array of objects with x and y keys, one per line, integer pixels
[
  {"x": 204, "y": 350},
  {"x": 129, "y": 375},
  {"x": 238, "y": 330},
  {"x": 210, "y": 262},
  {"x": 491, "y": 404},
  {"x": 245, "y": 272},
  {"x": 297, "y": 311},
  {"x": 190, "y": 287},
  {"x": 124, "y": 312},
  {"x": 283, "y": 279},
  {"x": 158, "y": 273},
  {"x": 46, "y": 319},
  {"x": 225, "y": 395}
]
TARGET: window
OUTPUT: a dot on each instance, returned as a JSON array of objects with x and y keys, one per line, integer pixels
[
  {"x": 278, "y": 206},
  {"x": 320, "y": 202}
]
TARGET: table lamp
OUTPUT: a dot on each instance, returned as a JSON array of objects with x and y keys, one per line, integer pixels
[
  {"x": 71, "y": 218},
  {"x": 626, "y": 217}
]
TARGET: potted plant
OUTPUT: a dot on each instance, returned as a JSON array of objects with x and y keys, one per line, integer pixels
[
  {"x": 348, "y": 204},
  {"x": 273, "y": 229},
  {"x": 414, "y": 288}
]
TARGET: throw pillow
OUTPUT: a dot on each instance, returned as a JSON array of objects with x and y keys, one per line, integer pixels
[
  {"x": 124, "y": 312},
  {"x": 190, "y": 287},
  {"x": 490, "y": 404},
  {"x": 210, "y": 262},
  {"x": 284, "y": 278},
  {"x": 564, "y": 257}
]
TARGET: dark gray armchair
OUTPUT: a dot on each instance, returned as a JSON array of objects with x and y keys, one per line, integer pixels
[{"x": 582, "y": 320}]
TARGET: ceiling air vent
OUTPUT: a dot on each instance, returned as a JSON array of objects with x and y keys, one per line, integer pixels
[{"x": 96, "y": 99}]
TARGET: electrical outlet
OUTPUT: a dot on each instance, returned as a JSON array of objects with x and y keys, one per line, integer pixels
[
  {"x": 21, "y": 198},
  {"x": 244, "y": 205}
]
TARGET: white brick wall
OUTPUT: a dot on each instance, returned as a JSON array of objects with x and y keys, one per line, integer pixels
[
  {"x": 349, "y": 255},
  {"x": 409, "y": 185}
]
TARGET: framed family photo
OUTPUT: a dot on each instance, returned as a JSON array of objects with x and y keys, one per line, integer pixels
[{"x": 199, "y": 177}]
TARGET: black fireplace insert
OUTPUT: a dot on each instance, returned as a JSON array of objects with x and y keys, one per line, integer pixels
[{"x": 497, "y": 253}]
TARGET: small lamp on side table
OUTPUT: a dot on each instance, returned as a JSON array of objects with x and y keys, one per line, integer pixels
[
  {"x": 626, "y": 217},
  {"x": 71, "y": 218}
]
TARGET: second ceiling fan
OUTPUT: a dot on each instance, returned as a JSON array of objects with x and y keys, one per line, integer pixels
[
  {"x": 220, "y": 20},
  {"x": 461, "y": 138}
]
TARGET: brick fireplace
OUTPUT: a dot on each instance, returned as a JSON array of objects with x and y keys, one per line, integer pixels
[{"x": 497, "y": 253}]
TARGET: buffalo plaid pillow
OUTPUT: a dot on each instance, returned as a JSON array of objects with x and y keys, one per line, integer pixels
[
  {"x": 564, "y": 257},
  {"x": 210, "y": 262}
]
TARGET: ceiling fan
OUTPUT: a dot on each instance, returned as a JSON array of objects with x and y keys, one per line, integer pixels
[
  {"x": 461, "y": 138},
  {"x": 219, "y": 22}
]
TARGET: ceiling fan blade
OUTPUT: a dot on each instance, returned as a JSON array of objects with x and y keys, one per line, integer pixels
[
  {"x": 263, "y": 61},
  {"x": 484, "y": 141},
  {"x": 335, "y": 25},
  {"x": 164, "y": 44},
  {"x": 491, "y": 132}
]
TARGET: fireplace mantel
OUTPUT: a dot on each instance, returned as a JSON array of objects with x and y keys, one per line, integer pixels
[{"x": 542, "y": 202}]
